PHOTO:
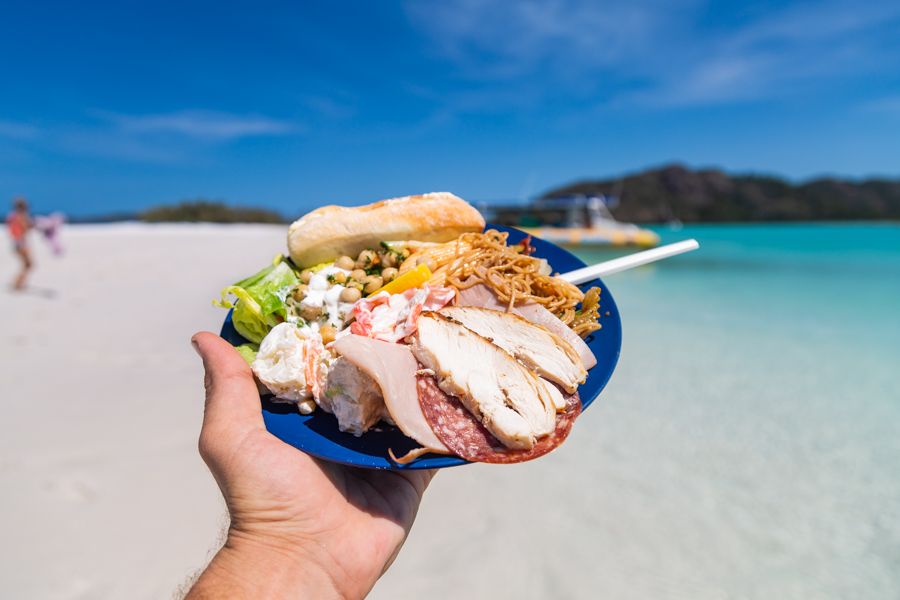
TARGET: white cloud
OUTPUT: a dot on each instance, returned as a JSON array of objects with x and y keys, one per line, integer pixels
[
  {"x": 18, "y": 131},
  {"x": 202, "y": 125},
  {"x": 654, "y": 54},
  {"x": 799, "y": 48},
  {"x": 720, "y": 79},
  {"x": 111, "y": 144},
  {"x": 885, "y": 105},
  {"x": 161, "y": 138},
  {"x": 807, "y": 22},
  {"x": 503, "y": 40}
]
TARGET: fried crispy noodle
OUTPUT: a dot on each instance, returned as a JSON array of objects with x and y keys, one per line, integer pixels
[
  {"x": 586, "y": 320},
  {"x": 513, "y": 275},
  {"x": 409, "y": 456}
]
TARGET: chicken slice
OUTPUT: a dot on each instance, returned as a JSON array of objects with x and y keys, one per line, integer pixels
[
  {"x": 481, "y": 295},
  {"x": 508, "y": 399},
  {"x": 543, "y": 352},
  {"x": 559, "y": 401},
  {"x": 393, "y": 369}
]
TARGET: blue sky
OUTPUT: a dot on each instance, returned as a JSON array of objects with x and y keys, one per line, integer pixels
[{"x": 123, "y": 105}]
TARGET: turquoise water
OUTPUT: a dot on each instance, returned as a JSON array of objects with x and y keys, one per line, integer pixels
[
  {"x": 757, "y": 391},
  {"x": 828, "y": 296},
  {"x": 838, "y": 283}
]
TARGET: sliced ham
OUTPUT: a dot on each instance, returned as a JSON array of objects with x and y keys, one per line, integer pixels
[
  {"x": 481, "y": 295},
  {"x": 393, "y": 368}
]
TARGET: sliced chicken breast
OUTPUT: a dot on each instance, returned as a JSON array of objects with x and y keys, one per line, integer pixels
[
  {"x": 481, "y": 295},
  {"x": 508, "y": 399},
  {"x": 392, "y": 368},
  {"x": 543, "y": 352},
  {"x": 559, "y": 401}
]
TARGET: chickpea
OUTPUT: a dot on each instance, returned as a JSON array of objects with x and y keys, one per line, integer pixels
[
  {"x": 299, "y": 292},
  {"x": 327, "y": 332},
  {"x": 305, "y": 275},
  {"x": 350, "y": 294},
  {"x": 345, "y": 262},
  {"x": 310, "y": 313},
  {"x": 389, "y": 274},
  {"x": 339, "y": 277},
  {"x": 358, "y": 275},
  {"x": 356, "y": 285},
  {"x": 367, "y": 259},
  {"x": 373, "y": 282},
  {"x": 389, "y": 259}
]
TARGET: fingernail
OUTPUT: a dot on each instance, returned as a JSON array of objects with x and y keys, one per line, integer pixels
[{"x": 195, "y": 346}]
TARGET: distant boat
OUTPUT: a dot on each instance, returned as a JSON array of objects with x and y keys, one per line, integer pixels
[{"x": 574, "y": 221}]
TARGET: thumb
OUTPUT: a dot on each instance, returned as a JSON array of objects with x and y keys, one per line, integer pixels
[{"x": 232, "y": 399}]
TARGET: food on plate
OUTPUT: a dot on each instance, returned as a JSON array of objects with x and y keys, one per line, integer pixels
[
  {"x": 468, "y": 439},
  {"x": 333, "y": 231},
  {"x": 282, "y": 359},
  {"x": 393, "y": 369},
  {"x": 405, "y": 313},
  {"x": 543, "y": 352},
  {"x": 502, "y": 394},
  {"x": 512, "y": 274},
  {"x": 259, "y": 302},
  {"x": 480, "y": 295},
  {"x": 350, "y": 396}
]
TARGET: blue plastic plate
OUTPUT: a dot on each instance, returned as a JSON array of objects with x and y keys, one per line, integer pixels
[{"x": 318, "y": 433}]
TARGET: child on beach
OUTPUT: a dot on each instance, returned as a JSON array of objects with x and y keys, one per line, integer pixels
[{"x": 19, "y": 222}]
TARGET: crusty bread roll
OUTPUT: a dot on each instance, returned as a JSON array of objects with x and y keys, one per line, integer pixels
[{"x": 333, "y": 231}]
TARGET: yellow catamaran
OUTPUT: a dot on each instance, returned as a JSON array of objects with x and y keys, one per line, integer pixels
[{"x": 574, "y": 221}]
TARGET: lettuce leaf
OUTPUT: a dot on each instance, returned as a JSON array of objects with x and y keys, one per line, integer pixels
[
  {"x": 248, "y": 352},
  {"x": 259, "y": 300}
]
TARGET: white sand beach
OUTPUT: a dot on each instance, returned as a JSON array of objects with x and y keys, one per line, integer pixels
[{"x": 695, "y": 475}]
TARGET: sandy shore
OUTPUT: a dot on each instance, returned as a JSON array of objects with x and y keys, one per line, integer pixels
[
  {"x": 104, "y": 494},
  {"x": 655, "y": 495}
]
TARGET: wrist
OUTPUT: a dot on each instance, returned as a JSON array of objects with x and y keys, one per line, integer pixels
[{"x": 251, "y": 566}]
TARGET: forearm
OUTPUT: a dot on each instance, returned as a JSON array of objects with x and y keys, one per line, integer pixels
[{"x": 246, "y": 568}]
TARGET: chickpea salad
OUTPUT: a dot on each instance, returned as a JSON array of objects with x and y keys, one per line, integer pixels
[
  {"x": 326, "y": 294},
  {"x": 291, "y": 316}
]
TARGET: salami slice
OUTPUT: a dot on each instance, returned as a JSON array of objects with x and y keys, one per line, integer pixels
[{"x": 463, "y": 435}]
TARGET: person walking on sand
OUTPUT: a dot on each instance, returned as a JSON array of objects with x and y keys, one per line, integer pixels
[{"x": 19, "y": 222}]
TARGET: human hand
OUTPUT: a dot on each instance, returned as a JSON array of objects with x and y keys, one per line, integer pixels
[{"x": 299, "y": 526}]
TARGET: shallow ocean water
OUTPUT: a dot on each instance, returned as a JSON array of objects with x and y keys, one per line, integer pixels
[{"x": 748, "y": 446}]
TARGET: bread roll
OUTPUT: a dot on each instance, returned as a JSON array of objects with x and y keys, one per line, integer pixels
[{"x": 333, "y": 231}]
